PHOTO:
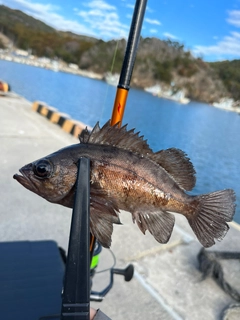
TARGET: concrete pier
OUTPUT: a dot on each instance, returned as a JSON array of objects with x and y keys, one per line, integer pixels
[{"x": 167, "y": 282}]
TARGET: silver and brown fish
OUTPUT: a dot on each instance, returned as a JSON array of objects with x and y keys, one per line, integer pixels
[{"x": 126, "y": 174}]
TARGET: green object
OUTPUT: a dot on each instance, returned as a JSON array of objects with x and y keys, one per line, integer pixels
[{"x": 94, "y": 262}]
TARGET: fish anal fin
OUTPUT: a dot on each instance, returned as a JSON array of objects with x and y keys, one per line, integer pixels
[
  {"x": 159, "y": 223},
  {"x": 212, "y": 212},
  {"x": 178, "y": 165}
]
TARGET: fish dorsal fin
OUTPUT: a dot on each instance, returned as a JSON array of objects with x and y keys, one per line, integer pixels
[
  {"x": 178, "y": 165},
  {"x": 117, "y": 137},
  {"x": 173, "y": 160},
  {"x": 84, "y": 136}
]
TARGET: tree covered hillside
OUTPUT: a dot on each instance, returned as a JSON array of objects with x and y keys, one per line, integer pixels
[
  {"x": 229, "y": 72},
  {"x": 164, "y": 62}
]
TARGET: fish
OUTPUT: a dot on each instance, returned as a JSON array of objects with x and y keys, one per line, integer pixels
[{"x": 125, "y": 174}]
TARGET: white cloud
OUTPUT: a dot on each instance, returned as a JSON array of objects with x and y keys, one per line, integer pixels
[
  {"x": 32, "y": 7},
  {"x": 170, "y": 36},
  {"x": 47, "y": 13},
  {"x": 234, "y": 18},
  {"x": 229, "y": 45},
  {"x": 149, "y": 9},
  {"x": 99, "y": 4},
  {"x": 100, "y": 19},
  {"x": 152, "y": 21},
  {"x": 153, "y": 30},
  {"x": 103, "y": 19},
  {"x": 131, "y": 6}
]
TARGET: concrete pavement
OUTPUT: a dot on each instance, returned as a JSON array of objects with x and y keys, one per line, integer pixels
[{"x": 167, "y": 283}]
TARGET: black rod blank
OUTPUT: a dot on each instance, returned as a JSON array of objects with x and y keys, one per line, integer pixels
[
  {"x": 132, "y": 44},
  {"x": 76, "y": 294}
]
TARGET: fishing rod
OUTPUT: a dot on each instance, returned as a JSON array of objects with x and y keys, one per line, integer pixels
[
  {"x": 76, "y": 292},
  {"x": 128, "y": 62},
  {"x": 126, "y": 72}
]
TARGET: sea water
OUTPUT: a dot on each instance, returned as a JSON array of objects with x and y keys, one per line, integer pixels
[{"x": 209, "y": 136}]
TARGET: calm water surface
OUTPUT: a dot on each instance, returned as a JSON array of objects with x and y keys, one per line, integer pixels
[{"x": 210, "y": 136}]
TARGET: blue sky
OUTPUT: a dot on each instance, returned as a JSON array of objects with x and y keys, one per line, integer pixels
[{"x": 208, "y": 28}]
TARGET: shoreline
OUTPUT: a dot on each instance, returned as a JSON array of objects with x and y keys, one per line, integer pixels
[
  {"x": 49, "y": 65},
  {"x": 224, "y": 103}
]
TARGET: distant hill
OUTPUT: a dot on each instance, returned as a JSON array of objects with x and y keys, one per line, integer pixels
[
  {"x": 9, "y": 19},
  {"x": 229, "y": 72},
  {"x": 26, "y": 33},
  {"x": 160, "y": 61},
  {"x": 164, "y": 62}
]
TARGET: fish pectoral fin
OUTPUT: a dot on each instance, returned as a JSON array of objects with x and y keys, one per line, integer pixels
[
  {"x": 159, "y": 223},
  {"x": 103, "y": 213},
  {"x": 100, "y": 201},
  {"x": 178, "y": 165}
]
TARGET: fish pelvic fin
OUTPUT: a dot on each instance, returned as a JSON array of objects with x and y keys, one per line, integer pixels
[
  {"x": 213, "y": 210},
  {"x": 159, "y": 223}
]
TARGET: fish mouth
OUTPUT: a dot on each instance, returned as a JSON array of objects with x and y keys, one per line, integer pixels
[{"x": 24, "y": 180}]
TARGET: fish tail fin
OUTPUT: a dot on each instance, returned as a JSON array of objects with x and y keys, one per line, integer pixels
[{"x": 212, "y": 212}]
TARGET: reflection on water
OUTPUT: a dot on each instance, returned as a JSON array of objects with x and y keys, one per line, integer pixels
[{"x": 208, "y": 135}]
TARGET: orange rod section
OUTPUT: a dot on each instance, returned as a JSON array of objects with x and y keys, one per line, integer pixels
[
  {"x": 91, "y": 243},
  {"x": 119, "y": 106},
  {"x": 117, "y": 116}
]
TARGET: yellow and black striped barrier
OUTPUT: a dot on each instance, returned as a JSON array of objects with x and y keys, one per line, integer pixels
[
  {"x": 4, "y": 86},
  {"x": 69, "y": 125}
]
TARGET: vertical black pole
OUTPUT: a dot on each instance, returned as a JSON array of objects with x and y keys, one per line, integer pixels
[
  {"x": 76, "y": 294},
  {"x": 132, "y": 44},
  {"x": 128, "y": 62}
]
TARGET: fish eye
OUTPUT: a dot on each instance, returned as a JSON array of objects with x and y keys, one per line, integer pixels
[{"x": 42, "y": 168}]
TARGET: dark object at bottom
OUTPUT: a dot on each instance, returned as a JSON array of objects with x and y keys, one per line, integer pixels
[
  {"x": 31, "y": 278},
  {"x": 127, "y": 272},
  {"x": 210, "y": 265}
]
